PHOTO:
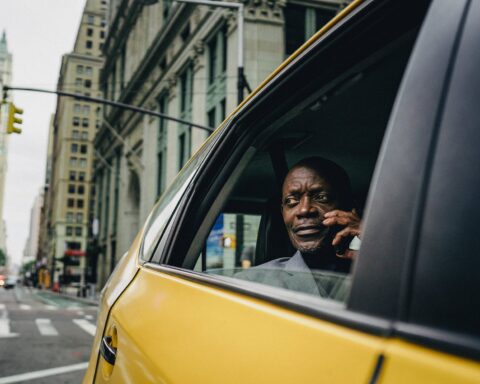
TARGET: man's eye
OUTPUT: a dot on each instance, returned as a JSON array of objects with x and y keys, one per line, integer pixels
[
  {"x": 290, "y": 201},
  {"x": 322, "y": 197}
]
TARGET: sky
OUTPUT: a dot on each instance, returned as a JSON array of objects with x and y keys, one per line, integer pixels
[{"x": 39, "y": 32}]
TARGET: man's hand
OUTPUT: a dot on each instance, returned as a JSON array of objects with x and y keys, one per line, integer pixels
[{"x": 351, "y": 223}]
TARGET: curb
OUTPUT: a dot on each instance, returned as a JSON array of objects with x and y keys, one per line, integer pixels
[{"x": 80, "y": 299}]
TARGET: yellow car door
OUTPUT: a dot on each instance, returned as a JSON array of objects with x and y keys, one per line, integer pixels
[{"x": 169, "y": 329}]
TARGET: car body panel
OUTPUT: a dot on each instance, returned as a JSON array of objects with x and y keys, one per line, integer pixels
[
  {"x": 123, "y": 274},
  {"x": 409, "y": 363},
  {"x": 173, "y": 330}
]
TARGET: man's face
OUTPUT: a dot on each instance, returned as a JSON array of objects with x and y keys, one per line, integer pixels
[{"x": 306, "y": 197}]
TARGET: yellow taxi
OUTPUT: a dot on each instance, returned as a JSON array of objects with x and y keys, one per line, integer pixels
[{"x": 389, "y": 90}]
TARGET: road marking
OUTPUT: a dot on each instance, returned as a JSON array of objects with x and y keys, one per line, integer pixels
[
  {"x": 80, "y": 313},
  {"x": 25, "y": 307},
  {"x": 43, "y": 373},
  {"x": 89, "y": 317},
  {"x": 5, "y": 329},
  {"x": 2, "y": 306},
  {"x": 51, "y": 307},
  {"x": 5, "y": 324},
  {"x": 45, "y": 327},
  {"x": 86, "y": 326}
]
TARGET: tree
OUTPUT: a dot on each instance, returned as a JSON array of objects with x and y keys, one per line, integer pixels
[{"x": 3, "y": 258}]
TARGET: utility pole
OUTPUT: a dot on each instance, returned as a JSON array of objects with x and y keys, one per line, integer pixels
[{"x": 239, "y": 7}]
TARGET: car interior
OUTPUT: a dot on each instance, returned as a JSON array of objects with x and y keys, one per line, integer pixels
[{"x": 337, "y": 123}]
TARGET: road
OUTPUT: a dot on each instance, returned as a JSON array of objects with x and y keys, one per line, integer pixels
[{"x": 43, "y": 335}]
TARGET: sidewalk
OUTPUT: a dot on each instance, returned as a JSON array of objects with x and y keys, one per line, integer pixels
[{"x": 68, "y": 296}]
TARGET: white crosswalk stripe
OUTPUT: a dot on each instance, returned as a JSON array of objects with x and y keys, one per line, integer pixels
[
  {"x": 51, "y": 307},
  {"x": 86, "y": 326},
  {"x": 46, "y": 327},
  {"x": 25, "y": 307},
  {"x": 5, "y": 324}
]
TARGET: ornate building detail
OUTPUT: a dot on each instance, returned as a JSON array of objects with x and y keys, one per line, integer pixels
[
  {"x": 265, "y": 10},
  {"x": 198, "y": 57},
  {"x": 172, "y": 87}
]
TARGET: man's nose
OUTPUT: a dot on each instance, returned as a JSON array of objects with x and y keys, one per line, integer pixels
[{"x": 306, "y": 208}]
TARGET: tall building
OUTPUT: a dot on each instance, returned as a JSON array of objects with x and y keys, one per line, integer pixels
[
  {"x": 179, "y": 59},
  {"x": 70, "y": 191},
  {"x": 31, "y": 245},
  {"x": 5, "y": 78}
]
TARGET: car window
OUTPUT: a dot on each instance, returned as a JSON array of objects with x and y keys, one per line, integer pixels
[
  {"x": 329, "y": 121},
  {"x": 250, "y": 238}
]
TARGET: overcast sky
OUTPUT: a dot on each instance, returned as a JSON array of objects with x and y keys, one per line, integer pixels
[{"x": 39, "y": 32}]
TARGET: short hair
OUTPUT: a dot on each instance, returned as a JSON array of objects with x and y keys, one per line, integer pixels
[{"x": 335, "y": 175}]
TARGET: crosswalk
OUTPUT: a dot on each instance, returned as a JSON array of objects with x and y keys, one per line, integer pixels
[{"x": 44, "y": 325}]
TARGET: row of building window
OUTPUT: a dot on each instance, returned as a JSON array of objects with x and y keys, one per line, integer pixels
[
  {"x": 89, "y": 45},
  {"x": 76, "y": 122},
  {"x": 76, "y": 135},
  {"x": 71, "y": 230},
  {"x": 87, "y": 83},
  {"x": 72, "y": 204},
  {"x": 73, "y": 176},
  {"x": 79, "y": 189},
  {"x": 91, "y": 20},
  {"x": 81, "y": 163},
  {"x": 85, "y": 109},
  {"x": 90, "y": 33},
  {"x": 74, "y": 217},
  {"x": 76, "y": 148},
  {"x": 87, "y": 70}
]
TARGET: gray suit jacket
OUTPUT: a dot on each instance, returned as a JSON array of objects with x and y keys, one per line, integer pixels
[{"x": 293, "y": 273}]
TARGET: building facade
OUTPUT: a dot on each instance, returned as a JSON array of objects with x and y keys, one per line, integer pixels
[
  {"x": 70, "y": 193},
  {"x": 5, "y": 78},
  {"x": 30, "y": 250},
  {"x": 181, "y": 60}
]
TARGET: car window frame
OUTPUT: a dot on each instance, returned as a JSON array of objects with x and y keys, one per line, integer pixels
[
  {"x": 367, "y": 321},
  {"x": 457, "y": 86}
]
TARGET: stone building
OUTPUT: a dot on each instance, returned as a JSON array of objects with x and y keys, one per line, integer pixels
[
  {"x": 70, "y": 194},
  {"x": 5, "y": 78},
  {"x": 179, "y": 59}
]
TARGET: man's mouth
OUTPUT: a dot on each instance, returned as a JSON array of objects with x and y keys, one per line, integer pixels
[{"x": 309, "y": 230}]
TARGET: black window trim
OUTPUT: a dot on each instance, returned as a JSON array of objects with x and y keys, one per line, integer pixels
[{"x": 447, "y": 341}]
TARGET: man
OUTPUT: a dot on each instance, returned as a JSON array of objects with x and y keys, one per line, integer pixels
[{"x": 318, "y": 212}]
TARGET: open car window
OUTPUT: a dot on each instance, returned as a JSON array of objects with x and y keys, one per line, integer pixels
[{"x": 340, "y": 115}]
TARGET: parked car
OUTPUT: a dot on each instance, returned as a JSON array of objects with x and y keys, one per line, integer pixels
[
  {"x": 10, "y": 282},
  {"x": 390, "y": 91}
]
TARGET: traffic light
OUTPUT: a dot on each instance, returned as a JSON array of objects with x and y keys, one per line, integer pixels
[{"x": 14, "y": 119}]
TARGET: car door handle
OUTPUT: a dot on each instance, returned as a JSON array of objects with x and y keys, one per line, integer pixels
[{"x": 108, "y": 352}]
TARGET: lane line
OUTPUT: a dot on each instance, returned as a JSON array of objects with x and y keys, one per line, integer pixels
[
  {"x": 43, "y": 373},
  {"x": 25, "y": 307},
  {"x": 5, "y": 329},
  {"x": 86, "y": 326},
  {"x": 45, "y": 327},
  {"x": 5, "y": 325}
]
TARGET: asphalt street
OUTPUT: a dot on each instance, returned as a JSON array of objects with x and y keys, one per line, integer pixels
[{"x": 44, "y": 338}]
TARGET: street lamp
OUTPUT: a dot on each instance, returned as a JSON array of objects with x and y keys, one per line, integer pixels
[{"x": 241, "y": 82}]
